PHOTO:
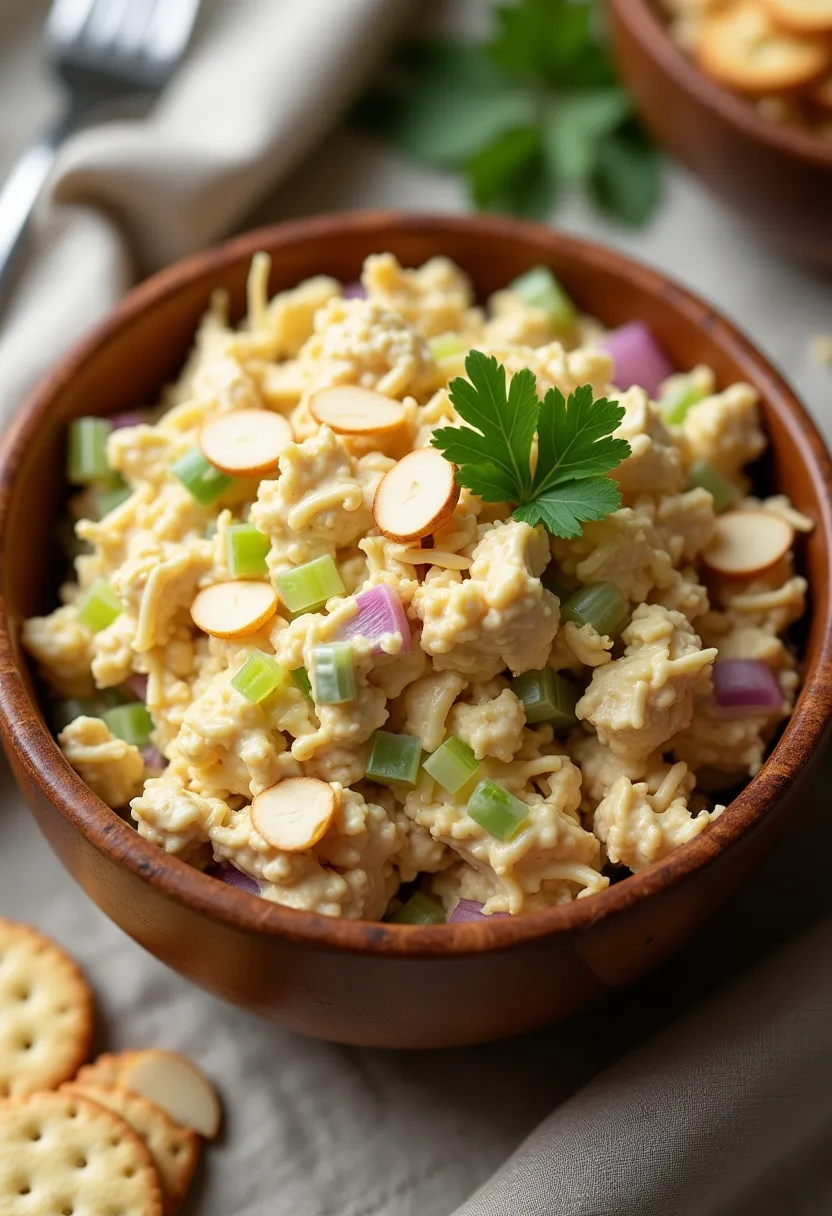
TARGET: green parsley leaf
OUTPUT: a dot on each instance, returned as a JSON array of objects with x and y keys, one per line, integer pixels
[
  {"x": 575, "y": 446},
  {"x": 532, "y": 108}
]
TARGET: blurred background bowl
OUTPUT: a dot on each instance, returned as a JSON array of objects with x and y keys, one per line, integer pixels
[
  {"x": 359, "y": 982},
  {"x": 778, "y": 176}
]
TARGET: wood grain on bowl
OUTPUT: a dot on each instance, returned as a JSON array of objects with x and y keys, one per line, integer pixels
[
  {"x": 778, "y": 176},
  {"x": 383, "y": 984}
]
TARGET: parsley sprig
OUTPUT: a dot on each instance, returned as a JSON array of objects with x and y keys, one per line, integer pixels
[
  {"x": 527, "y": 112},
  {"x": 575, "y": 446}
]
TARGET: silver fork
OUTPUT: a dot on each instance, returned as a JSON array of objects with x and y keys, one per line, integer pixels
[{"x": 102, "y": 50}]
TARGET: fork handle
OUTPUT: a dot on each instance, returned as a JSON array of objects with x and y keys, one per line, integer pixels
[{"x": 19, "y": 194}]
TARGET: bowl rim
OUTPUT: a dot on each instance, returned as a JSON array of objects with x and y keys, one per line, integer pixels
[
  {"x": 37, "y": 754},
  {"x": 644, "y": 23}
]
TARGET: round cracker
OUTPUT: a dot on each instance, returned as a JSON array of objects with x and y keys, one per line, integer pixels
[
  {"x": 62, "y": 1154},
  {"x": 105, "y": 1070},
  {"x": 174, "y": 1149},
  {"x": 802, "y": 16},
  {"x": 46, "y": 1012},
  {"x": 742, "y": 47}
]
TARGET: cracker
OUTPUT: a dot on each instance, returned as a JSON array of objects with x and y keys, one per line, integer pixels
[
  {"x": 741, "y": 47},
  {"x": 46, "y": 1012},
  {"x": 105, "y": 1070},
  {"x": 174, "y": 1149},
  {"x": 62, "y": 1154}
]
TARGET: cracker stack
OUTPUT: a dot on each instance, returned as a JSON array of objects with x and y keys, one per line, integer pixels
[{"x": 121, "y": 1134}]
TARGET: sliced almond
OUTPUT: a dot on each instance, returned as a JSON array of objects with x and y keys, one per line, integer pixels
[
  {"x": 245, "y": 443},
  {"x": 743, "y": 48},
  {"x": 349, "y": 410},
  {"x": 747, "y": 543},
  {"x": 234, "y": 609},
  {"x": 294, "y": 814},
  {"x": 416, "y": 497},
  {"x": 177, "y": 1085},
  {"x": 802, "y": 16}
]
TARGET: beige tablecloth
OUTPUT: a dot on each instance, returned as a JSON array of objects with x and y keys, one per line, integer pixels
[{"x": 728, "y": 1110}]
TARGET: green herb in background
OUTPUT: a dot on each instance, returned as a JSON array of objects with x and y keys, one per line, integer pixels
[
  {"x": 575, "y": 447},
  {"x": 531, "y": 110}
]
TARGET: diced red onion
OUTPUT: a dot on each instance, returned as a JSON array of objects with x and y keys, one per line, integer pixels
[
  {"x": 138, "y": 686},
  {"x": 637, "y": 358},
  {"x": 380, "y": 612},
  {"x": 129, "y": 418},
  {"x": 469, "y": 910},
  {"x": 745, "y": 685},
  {"x": 233, "y": 877},
  {"x": 354, "y": 291},
  {"x": 153, "y": 758}
]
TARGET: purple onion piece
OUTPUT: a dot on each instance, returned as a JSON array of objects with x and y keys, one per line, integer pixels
[
  {"x": 745, "y": 686},
  {"x": 233, "y": 877},
  {"x": 153, "y": 758},
  {"x": 380, "y": 612},
  {"x": 137, "y": 685},
  {"x": 637, "y": 358},
  {"x": 129, "y": 418},
  {"x": 354, "y": 291},
  {"x": 468, "y": 910}
]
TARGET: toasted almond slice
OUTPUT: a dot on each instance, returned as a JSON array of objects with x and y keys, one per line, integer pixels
[
  {"x": 245, "y": 443},
  {"x": 802, "y": 16},
  {"x": 294, "y": 814},
  {"x": 356, "y": 411},
  {"x": 415, "y": 497},
  {"x": 747, "y": 543},
  {"x": 233, "y": 609},
  {"x": 177, "y": 1085},
  {"x": 742, "y": 47}
]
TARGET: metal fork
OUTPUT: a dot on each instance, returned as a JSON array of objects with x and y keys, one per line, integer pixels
[{"x": 103, "y": 50}]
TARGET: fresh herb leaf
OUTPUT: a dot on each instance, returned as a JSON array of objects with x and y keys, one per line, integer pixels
[
  {"x": 626, "y": 180},
  {"x": 575, "y": 446},
  {"x": 534, "y": 107}
]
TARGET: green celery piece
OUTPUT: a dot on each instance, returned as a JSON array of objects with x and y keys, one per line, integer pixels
[
  {"x": 446, "y": 346},
  {"x": 676, "y": 404},
  {"x": 394, "y": 758},
  {"x": 87, "y": 451},
  {"x": 547, "y": 696},
  {"x": 453, "y": 764},
  {"x": 108, "y": 500},
  {"x": 246, "y": 550},
  {"x": 203, "y": 482},
  {"x": 496, "y": 810},
  {"x": 333, "y": 673},
  {"x": 98, "y": 607},
  {"x": 258, "y": 677},
  {"x": 702, "y": 474},
  {"x": 598, "y": 605},
  {"x": 539, "y": 288},
  {"x": 308, "y": 587},
  {"x": 420, "y": 909},
  {"x": 130, "y": 722}
]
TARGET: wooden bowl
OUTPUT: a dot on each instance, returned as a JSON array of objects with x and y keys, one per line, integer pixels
[
  {"x": 780, "y": 177},
  {"x": 360, "y": 982}
]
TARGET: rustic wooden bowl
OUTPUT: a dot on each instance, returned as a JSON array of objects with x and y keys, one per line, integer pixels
[
  {"x": 388, "y": 985},
  {"x": 780, "y": 177}
]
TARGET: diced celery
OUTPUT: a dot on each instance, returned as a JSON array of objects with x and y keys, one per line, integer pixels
[
  {"x": 333, "y": 673},
  {"x": 107, "y": 500},
  {"x": 547, "y": 696},
  {"x": 446, "y": 346},
  {"x": 87, "y": 452},
  {"x": 130, "y": 722},
  {"x": 394, "y": 758},
  {"x": 203, "y": 482},
  {"x": 539, "y": 288},
  {"x": 702, "y": 474},
  {"x": 309, "y": 586},
  {"x": 598, "y": 605},
  {"x": 300, "y": 677},
  {"x": 98, "y": 607},
  {"x": 246, "y": 550},
  {"x": 675, "y": 404},
  {"x": 453, "y": 764},
  {"x": 258, "y": 677},
  {"x": 420, "y": 909},
  {"x": 496, "y": 810}
]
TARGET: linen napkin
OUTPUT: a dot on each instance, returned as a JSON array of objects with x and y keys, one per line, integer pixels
[{"x": 262, "y": 83}]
